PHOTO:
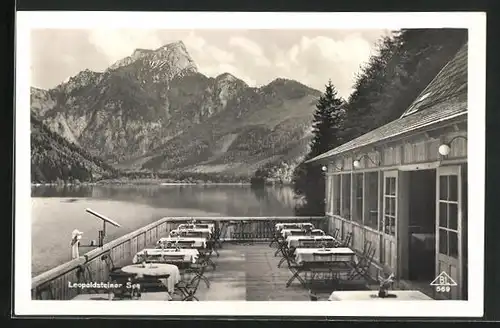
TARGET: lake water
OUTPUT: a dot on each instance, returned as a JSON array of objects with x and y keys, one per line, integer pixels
[{"x": 58, "y": 210}]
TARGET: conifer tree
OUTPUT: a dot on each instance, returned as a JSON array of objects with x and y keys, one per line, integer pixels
[{"x": 308, "y": 178}]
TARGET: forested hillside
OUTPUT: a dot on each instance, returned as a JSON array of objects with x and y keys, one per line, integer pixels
[
  {"x": 404, "y": 64},
  {"x": 54, "y": 159}
]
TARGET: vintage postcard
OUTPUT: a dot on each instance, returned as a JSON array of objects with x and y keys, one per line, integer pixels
[{"x": 253, "y": 164}]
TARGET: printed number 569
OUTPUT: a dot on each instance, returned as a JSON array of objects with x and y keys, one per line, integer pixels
[{"x": 443, "y": 289}]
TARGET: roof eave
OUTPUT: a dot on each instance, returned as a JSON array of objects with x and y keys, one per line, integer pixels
[{"x": 446, "y": 121}]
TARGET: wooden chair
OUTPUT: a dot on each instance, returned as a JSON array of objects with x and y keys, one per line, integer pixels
[
  {"x": 197, "y": 270},
  {"x": 288, "y": 255},
  {"x": 275, "y": 238},
  {"x": 123, "y": 292},
  {"x": 296, "y": 269},
  {"x": 362, "y": 267},
  {"x": 324, "y": 268},
  {"x": 189, "y": 289},
  {"x": 150, "y": 283},
  {"x": 217, "y": 235},
  {"x": 281, "y": 246},
  {"x": 205, "y": 256},
  {"x": 346, "y": 242},
  {"x": 109, "y": 263},
  {"x": 367, "y": 247},
  {"x": 336, "y": 233}
]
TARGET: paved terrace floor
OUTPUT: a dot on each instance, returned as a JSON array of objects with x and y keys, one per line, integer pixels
[{"x": 249, "y": 272}]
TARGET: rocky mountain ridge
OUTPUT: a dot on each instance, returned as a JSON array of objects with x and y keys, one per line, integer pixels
[{"x": 153, "y": 110}]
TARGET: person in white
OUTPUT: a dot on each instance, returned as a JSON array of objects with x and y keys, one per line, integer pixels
[{"x": 76, "y": 235}]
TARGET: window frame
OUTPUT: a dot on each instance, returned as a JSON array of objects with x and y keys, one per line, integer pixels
[{"x": 355, "y": 198}]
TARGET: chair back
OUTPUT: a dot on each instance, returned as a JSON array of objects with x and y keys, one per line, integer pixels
[
  {"x": 370, "y": 255},
  {"x": 336, "y": 233},
  {"x": 367, "y": 247},
  {"x": 329, "y": 243},
  {"x": 347, "y": 241},
  {"x": 121, "y": 277}
]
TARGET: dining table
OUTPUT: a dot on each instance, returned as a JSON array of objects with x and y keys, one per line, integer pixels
[
  {"x": 334, "y": 254},
  {"x": 197, "y": 242},
  {"x": 296, "y": 241},
  {"x": 372, "y": 295},
  {"x": 156, "y": 269},
  {"x": 192, "y": 232},
  {"x": 209, "y": 226},
  {"x": 294, "y": 225},
  {"x": 300, "y": 232},
  {"x": 325, "y": 260},
  {"x": 148, "y": 254}
]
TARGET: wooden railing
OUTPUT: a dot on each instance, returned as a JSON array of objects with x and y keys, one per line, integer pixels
[
  {"x": 94, "y": 266},
  {"x": 252, "y": 228}
]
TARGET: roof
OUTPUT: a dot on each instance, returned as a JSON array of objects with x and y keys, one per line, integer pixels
[{"x": 445, "y": 98}]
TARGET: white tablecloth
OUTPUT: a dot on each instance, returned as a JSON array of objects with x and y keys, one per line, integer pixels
[
  {"x": 190, "y": 254},
  {"x": 337, "y": 254},
  {"x": 369, "y": 295},
  {"x": 296, "y": 225},
  {"x": 202, "y": 233},
  {"x": 295, "y": 241},
  {"x": 299, "y": 232},
  {"x": 210, "y": 226},
  {"x": 157, "y": 269},
  {"x": 197, "y": 242}
]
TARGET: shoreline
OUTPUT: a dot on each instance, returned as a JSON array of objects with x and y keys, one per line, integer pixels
[{"x": 137, "y": 183}]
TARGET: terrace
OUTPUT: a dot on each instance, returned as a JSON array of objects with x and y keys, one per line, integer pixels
[{"x": 246, "y": 268}]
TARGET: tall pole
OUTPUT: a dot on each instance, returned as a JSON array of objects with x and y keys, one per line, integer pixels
[{"x": 103, "y": 232}]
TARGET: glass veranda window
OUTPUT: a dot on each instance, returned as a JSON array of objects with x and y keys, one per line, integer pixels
[
  {"x": 346, "y": 197},
  {"x": 371, "y": 199},
  {"x": 336, "y": 194},
  {"x": 357, "y": 197}
]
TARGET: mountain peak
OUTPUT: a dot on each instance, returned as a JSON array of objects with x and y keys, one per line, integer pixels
[
  {"x": 174, "y": 53},
  {"x": 175, "y": 44}
]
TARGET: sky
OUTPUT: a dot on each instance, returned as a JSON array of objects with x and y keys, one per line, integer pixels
[{"x": 311, "y": 57}]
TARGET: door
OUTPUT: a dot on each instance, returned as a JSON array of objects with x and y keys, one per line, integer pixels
[
  {"x": 388, "y": 254},
  {"x": 449, "y": 228}
]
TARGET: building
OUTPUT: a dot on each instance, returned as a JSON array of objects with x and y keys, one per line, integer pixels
[{"x": 403, "y": 186}]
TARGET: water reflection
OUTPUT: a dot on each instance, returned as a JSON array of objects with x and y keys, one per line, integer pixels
[
  {"x": 232, "y": 200},
  {"x": 57, "y": 210}
]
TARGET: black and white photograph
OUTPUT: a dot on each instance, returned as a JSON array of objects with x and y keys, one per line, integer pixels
[{"x": 250, "y": 166}]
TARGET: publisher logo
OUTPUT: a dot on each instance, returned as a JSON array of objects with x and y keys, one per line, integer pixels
[{"x": 443, "y": 283}]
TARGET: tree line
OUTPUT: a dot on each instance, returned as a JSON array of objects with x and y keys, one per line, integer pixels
[{"x": 404, "y": 64}]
